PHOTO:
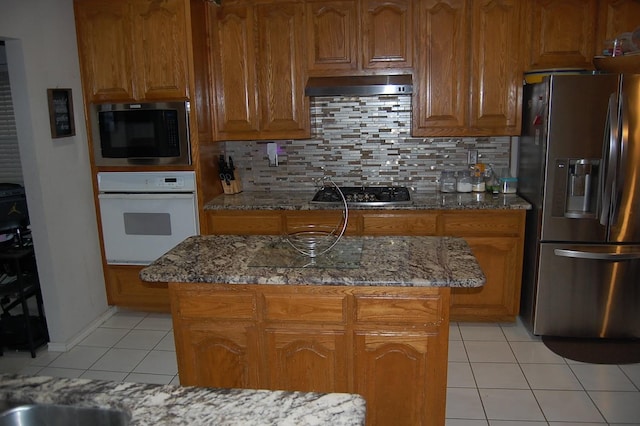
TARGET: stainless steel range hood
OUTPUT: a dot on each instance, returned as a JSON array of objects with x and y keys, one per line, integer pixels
[{"x": 366, "y": 85}]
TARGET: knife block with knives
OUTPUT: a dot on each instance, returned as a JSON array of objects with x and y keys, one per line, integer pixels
[{"x": 229, "y": 177}]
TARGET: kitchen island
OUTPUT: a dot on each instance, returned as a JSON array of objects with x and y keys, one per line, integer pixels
[
  {"x": 371, "y": 317},
  {"x": 165, "y": 405}
]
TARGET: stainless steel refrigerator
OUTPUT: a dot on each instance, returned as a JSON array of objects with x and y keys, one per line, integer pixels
[{"x": 579, "y": 167}]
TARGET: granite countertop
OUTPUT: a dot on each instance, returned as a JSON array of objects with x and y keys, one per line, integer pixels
[
  {"x": 354, "y": 261},
  {"x": 300, "y": 200},
  {"x": 160, "y": 405}
]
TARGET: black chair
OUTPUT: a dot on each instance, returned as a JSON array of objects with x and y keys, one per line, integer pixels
[{"x": 20, "y": 283}]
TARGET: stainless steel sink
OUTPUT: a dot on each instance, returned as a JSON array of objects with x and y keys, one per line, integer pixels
[{"x": 59, "y": 415}]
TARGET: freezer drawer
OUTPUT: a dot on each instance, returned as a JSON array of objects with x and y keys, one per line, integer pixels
[{"x": 588, "y": 291}]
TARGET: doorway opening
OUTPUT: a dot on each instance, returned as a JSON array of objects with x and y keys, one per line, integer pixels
[{"x": 22, "y": 322}]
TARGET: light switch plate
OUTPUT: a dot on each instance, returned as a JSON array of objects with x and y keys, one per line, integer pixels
[{"x": 272, "y": 153}]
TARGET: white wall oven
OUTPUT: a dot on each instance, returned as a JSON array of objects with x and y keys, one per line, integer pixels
[{"x": 145, "y": 214}]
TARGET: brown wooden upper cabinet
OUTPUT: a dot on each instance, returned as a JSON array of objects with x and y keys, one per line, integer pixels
[
  {"x": 359, "y": 36},
  {"x": 496, "y": 67},
  {"x": 468, "y": 71},
  {"x": 133, "y": 50},
  {"x": 563, "y": 33},
  {"x": 616, "y": 17},
  {"x": 568, "y": 33},
  {"x": 257, "y": 61},
  {"x": 387, "y": 33},
  {"x": 332, "y": 36}
]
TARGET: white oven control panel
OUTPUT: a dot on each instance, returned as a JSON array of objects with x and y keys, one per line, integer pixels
[
  {"x": 126, "y": 182},
  {"x": 174, "y": 182}
]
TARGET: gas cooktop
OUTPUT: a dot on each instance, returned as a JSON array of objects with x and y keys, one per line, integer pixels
[{"x": 364, "y": 195}]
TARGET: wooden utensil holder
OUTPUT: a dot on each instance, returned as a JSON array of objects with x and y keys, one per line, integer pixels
[{"x": 234, "y": 186}]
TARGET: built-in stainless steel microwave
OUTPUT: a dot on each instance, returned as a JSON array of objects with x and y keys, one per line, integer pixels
[{"x": 141, "y": 134}]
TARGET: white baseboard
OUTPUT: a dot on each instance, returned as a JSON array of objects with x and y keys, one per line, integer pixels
[{"x": 65, "y": 346}]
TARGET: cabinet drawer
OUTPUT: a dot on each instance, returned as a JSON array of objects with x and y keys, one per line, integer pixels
[
  {"x": 293, "y": 307},
  {"x": 394, "y": 309},
  {"x": 245, "y": 223},
  {"x": 482, "y": 223},
  {"x": 321, "y": 219},
  {"x": 214, "y": 305},
  {"x": 399, "y": 224}
]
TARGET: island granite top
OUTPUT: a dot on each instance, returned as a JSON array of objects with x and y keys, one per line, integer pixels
[
  {"x": 300, "y": 200},
  {"x": 161, "y": 405},
  {"x": 354, "y": 261}
]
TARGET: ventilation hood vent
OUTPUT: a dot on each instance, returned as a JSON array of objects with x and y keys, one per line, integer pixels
[{"x": 359, "y": 85}]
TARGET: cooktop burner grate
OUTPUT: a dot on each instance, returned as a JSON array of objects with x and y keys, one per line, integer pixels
[{"x": 364, "y": 195}]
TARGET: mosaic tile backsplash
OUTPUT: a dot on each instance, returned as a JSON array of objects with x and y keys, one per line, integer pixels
[{"x": 361, "y": 141}]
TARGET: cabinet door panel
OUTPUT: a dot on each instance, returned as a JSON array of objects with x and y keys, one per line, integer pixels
[
  {"x": 332, "y": 29},
  {"x": 616, "y": 17},
  {"x": 215, "y": 355},
  {"x": 440, "y": 104},
  {"x": 105, "y": 40},
  {"x": 310, "y": 361},
  {"x": 283, "y": 106},
  {"x": 234, "y": 69},
  {"x": 496, "y": 67},
  {"x": 387, "y": 33},
  {"x": 125, "y": 288},
  {"x": 161, "y": 49},
  {"x": 563, "y": 33},
  {"x": 383, "y": 364},
  {"x": 202, "y": 99},
  {"x": 498, "y": 299}
]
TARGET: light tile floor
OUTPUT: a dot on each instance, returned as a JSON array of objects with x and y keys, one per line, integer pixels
[
  {"x": 130, "y": 346},
  {"x": 499, "y": 374}
]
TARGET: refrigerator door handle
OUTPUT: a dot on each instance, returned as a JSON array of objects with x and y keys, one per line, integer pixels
[
  {"x": 610, "y": 158},
  {"x": 622, "y": 147},
  {"x": 580, "y": 254}
]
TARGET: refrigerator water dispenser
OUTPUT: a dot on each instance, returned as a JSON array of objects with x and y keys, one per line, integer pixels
[{"x": 582, "y": 195}]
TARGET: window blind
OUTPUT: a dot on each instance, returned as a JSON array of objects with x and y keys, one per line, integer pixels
[{"x": 10, "y": 168}]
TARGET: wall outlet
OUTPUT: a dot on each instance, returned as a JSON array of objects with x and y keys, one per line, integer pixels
[
  {"x": 272, "y": 153},
  {"x": 472, "y": 156}
]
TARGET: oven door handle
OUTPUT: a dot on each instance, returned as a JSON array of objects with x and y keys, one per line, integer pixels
[
  {"x": 145, "y": 196},
  {"x": 580, "y": 254}
]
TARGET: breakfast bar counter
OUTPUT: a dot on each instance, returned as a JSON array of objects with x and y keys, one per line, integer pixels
[
  {"x": 354, "y": 261},
  {"x": 370, "y": 317}
]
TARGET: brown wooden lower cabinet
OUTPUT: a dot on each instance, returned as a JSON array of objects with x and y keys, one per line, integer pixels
[
  {"x": 495, "y": 236},
  {"x": 126, "y": 289},
  {"x": 387, "y": 344},
  {"x": 499, "y": 299},
  {"x": 290, "y": 353}
]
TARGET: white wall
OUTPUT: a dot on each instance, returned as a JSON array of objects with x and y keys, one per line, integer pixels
[{"x": 42, "y": 53}]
